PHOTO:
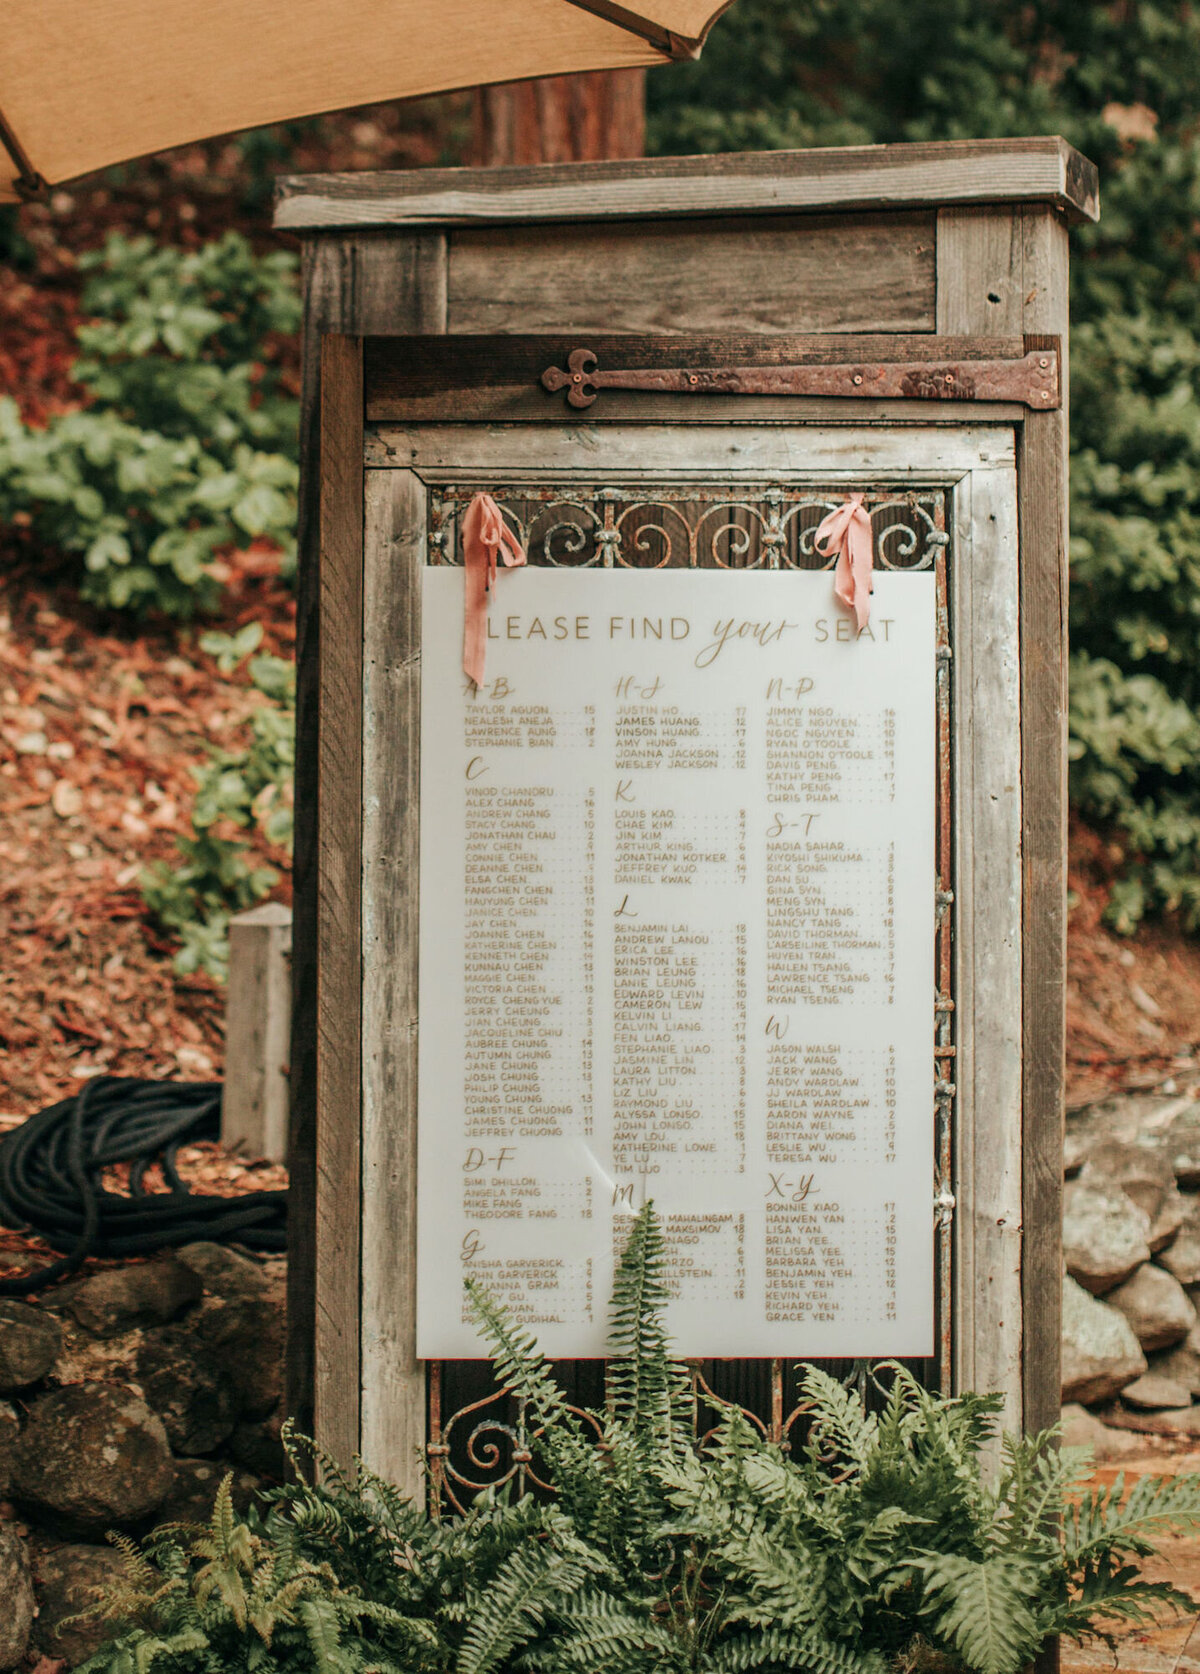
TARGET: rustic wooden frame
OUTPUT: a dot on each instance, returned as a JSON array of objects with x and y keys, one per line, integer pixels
[
  {"x": 381, "y": 255},
  {"x": 979, "y": 465}
]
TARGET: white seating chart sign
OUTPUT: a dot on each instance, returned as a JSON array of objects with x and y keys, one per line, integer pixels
[{"x": 676, "y": 941}]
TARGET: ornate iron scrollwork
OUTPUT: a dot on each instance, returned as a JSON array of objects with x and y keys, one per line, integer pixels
[{"x": 693, "y": 526}]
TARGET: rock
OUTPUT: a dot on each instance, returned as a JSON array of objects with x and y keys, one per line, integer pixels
[
  {"x": 259, "y": 1448},
  {"x": 1142, "y": 1169},
  {"x": 1106, "y": 1237},
  {"x": 222, "y": 1271},
  {"x": 1164, "y": 1227},
  {"x": 1170, "y": 1124},
  {"x": 1182, "y": 1258},
  {"x": 16, "y": 1591},
  {"x": 1100, "y": 1352},
  {"x": 1156, "y": 1306},
  {"x": 87, "y": 1359},
  {"x": 1075, "y": 1154},
  {"x": 246, "y": 1335},
  {"x": 151, "y": 1293},
  {"x": 10, "y": 1426},
  {"x": 1183, "y": 1140},
  {"x": 196, "y": 1484},
  {"x": 188, "y": 1392},
  {"x": 92, "y": 1456},
  {"x": 1154, "y": 1393},
  {"x": 1080, "y": 1428},
  {"x": 1184, "y": 1422},
  {"x": 66, "y": 1581},
  {"x": 29, "y": 1344},
  {"x": 1182, "y": 1363}
]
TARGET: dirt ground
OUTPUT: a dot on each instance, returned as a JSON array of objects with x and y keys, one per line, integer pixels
[
  {"x": 100, "y": 728},
  {"x": 1173, "y": 1648}
]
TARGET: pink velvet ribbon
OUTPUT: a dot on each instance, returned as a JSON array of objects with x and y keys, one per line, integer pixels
[
  {"x": 486, "y": 538},
  {"x": 847, "y": 531}
]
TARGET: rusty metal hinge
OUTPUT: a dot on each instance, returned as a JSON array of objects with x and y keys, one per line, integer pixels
[{"x": 1032, "y": 380}]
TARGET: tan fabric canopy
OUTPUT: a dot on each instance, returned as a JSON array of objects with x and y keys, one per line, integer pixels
[{"x": 84, "y": 83}]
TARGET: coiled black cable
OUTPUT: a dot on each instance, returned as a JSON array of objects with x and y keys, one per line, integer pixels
[{"x": 50, "y": 1184}]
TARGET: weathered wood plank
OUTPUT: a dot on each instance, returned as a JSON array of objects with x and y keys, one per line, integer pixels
[
  {"x": 747, "y": 274},
  {"x": 987, "y": 931},
  {"x": 362, "y": 282},
  {"x": 339, "y": 929},
  {"x": 1045, "y": 170},
  {"x": 478, "y": 377},
  {"x": 979, "y": 270},
  {"x": 1043, "y": 466},
  {"x": 1021, "y": 260},
  {"x": 258, "y": 1019},
  {"x": 734, "y": 452},
  {"x": 978, "y": 260},
  {"x": 393, "y": 1380}
]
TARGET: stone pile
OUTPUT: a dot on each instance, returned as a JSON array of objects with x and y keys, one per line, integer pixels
[
  {"x": 125, "y": 1397},
  {"x": 1131, "y": 1249}
]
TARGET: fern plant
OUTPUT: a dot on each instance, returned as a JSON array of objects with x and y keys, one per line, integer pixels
[
  {"x": 899, "y": 1540},
  {"x": 885, "y": 1539},
  {"x": 224, "y": 1597}
]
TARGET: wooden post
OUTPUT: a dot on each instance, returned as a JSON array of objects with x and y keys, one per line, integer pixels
[
  {"x": 258, "y": 1021},
  {"x": 561, "y": 119},
  {"x": 366, "y": 283}
]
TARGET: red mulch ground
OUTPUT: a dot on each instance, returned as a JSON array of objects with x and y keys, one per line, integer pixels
[
  {"x": 1133, "y": 1003},
  {"x": 101, "y": 726}
]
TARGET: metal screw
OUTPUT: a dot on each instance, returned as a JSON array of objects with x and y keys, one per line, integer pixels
[
  {"x": 858, "y": 377},
  {"x": 1044, "y": 361},
  {"x": 1045, "y": 395},
  {"x": 692, "y": 378},
  {"x": 949, "y": 377}
]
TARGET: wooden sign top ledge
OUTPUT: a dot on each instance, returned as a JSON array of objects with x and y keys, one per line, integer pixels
[{"x": 959, "y": 172}]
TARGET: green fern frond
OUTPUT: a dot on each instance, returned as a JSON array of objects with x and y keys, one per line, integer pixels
[
  {"x": 515, "y": 1605},
  {"x": 786, "y": 1581},
  {"x": 178, "y": 1645},
  {"x": 647, "y": 1389},
  {"x": 1108, "y": 1519},
  {"x": 323, "y": 1637},
  {"x": 520, "y": 1367},
  {"x": 597, "y": 1628},
  {"x": 982, "y": 1609},
  {"x": 1036, "y": 1480},
  {"x": 773, "y": 1648},
  {"x": 839, "y": 1418},
  {"x": 1145, "y": 1603}
]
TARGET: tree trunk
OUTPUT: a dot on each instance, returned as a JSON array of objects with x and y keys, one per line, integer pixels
[{"x": 561, "y": 119}]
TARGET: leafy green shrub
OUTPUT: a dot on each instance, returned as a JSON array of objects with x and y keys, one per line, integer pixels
[
  {"x": 1120, "y": 83},
  {"x": 189, "y": 444},
  {"x": 183, "y": 342},
  {"x": 887, "y": 1544},
  {"x": 250, "y": 789}
]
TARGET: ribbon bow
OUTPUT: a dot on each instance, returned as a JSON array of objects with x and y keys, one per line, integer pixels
[
  {"x": 847, "y": 531},
  {"x": 485, "y": 538}
]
